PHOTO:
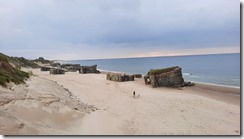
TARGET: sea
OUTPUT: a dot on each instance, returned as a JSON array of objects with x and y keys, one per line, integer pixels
[{"x": 218, "y": 69}]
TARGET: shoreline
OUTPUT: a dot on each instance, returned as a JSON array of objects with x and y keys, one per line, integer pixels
[
  {"x": 202, "y": 84},
  {"x": 217, "y": 85},
  {"x": 218, "y": 88},
  {"x": 220, "y": 93},
  {"x": 196, "y": 82}
]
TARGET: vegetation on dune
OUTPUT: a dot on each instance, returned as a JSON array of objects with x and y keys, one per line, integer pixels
[
  {"x": 22, "y": 62},
  {"x": 19, "y": 61},
  {"x": 10, "y": 74},
  {"x": 160, "y": 71},
  {"x": 42, "y": 60},
  {"x": 17, "y": 77},
  {"x": 3, "y": 57}
]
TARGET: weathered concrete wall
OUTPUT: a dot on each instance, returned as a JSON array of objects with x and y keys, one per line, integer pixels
[
  {"x": 71, "y": 67},
  {"x": 169, "y": 77},
  {"x": 89, "y": 69},
  {"x": 45, "y": 68},
  {"x": 56, "y": 65},
  {"x": 137, "y": 75},
  {"x": 57, "y": 71},
  {"x": 119, "y": 77},
  {"x": 147, "y": 79}
]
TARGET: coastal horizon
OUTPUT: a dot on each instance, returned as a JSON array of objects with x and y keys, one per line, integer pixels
[
  {"x": 145, "y": 57},
  {"x": 190, "y": 71}
]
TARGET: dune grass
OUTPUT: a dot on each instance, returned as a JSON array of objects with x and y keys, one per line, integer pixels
[
  {"x": 17, "y": 77},
  {"x": 10, "y": 74},
  {"x": 3, "y": 58}
]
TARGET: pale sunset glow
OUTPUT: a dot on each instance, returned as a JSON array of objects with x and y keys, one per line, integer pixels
[{"x": 199, "y": 51}]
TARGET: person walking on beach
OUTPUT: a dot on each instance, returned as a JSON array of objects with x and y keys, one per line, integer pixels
[{"x": 134, "y": 94}]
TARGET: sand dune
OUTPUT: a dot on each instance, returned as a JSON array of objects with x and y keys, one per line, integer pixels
[
  {"x": 48, "y": 103},
  {"x": 39, "y": 107}
]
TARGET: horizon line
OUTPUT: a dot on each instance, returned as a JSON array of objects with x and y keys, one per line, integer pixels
[{"x": 148, "y": 57}]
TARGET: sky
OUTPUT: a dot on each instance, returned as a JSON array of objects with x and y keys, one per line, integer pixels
[{"x": 98, "y": 29}]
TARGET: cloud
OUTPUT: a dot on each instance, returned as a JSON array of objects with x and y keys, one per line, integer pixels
[{"x": 109, "y": 25}]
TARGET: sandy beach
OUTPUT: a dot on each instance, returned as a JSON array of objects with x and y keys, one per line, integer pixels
[{"x": 88, "y": 104}]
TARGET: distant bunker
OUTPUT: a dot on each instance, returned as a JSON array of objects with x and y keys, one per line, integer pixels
[
  {"x": 45, "y": 68},
  {"x": 119, "y": 77},
  {"x": 168, "y": 77},
  {"x": 71, "y": 67},
  {"x": 57, "y": 71},
  {"x": 137, "y": 75},
  {"x": 56, "y": 65},
  {"x": 88, "y": 69}
]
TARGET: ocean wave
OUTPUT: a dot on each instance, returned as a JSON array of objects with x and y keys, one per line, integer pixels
[
  {"x": 187, "y": 74},
  {"x": 107, "y": 71},
  {"x": 217, "y": 84}
]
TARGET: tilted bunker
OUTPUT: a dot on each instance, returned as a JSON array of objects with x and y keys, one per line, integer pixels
[{"x": 167, "y": 77}]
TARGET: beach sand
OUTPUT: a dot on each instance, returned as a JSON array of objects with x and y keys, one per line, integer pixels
[{"x": 88, "y": 104}]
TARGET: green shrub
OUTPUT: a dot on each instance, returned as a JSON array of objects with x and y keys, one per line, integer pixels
[
  {"x": 17, "y": 77},
  {"x": 22, "y": 62},
  {"x": 10, "y": 74},
  {"x": 3, "y": 81},
  {"x": 3, "y": 58}
]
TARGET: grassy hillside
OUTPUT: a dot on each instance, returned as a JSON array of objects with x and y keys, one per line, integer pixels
[
  {"x": 17, "y": 77},
  {"x": 42, "y": 60},
  {"x": 3, "y": 57},
  {"x": 19, "y": 61},
  {"x": 10, "y": 74},
  {"x": 22, "y": 62}
]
